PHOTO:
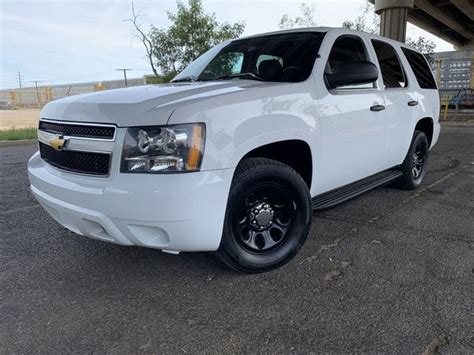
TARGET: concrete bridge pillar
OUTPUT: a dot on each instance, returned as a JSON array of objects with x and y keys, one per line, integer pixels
[{"x": 393, "y": 17}]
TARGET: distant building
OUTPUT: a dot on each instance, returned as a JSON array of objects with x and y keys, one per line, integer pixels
[{"x": 456, "y": 70}]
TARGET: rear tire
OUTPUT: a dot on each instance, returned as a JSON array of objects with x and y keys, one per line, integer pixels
[
  {"x": 414, "y": 165},
  {"x": 267, "y": 218}
]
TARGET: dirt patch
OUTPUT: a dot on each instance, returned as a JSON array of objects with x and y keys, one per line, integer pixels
[
  {"x": 327, "y": 247},
  {"x": 337, "y": 272},
  {"x": 434, "y": 346},
  {"x": 25, "y": 118}
]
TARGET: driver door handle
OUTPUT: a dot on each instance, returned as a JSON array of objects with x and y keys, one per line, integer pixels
[
  {"x": 376, "y": 108},
  {"x": 412, "y": 103}
]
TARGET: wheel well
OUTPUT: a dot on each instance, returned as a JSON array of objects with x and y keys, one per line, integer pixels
[
  {"x": 426, "y": 126},
  {"x": 295, "y": 153}
]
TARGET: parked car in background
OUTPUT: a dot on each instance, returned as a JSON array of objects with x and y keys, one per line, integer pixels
[
  {"x": 464, "y": 99},
  {"x": 5, "y": 105},
  {"x": 235, "y": 154}
]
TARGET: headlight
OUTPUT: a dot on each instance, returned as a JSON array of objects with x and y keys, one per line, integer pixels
[{"x": 163, "y": 149}]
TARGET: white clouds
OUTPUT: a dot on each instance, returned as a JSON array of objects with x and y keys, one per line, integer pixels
[{"x": 59, "y": 41}]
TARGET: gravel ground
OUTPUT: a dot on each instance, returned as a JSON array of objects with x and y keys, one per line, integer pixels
[
  {"x": 391, "y": 271},
  {"x": 24, "y": 118}
]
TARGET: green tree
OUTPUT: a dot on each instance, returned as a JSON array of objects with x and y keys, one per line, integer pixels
[
  {"x": 306, "y": 19},
  {"x": 424, "y": 45},
  {"x": 192, "y": 32},
  {"x": 363, "y": 22}
]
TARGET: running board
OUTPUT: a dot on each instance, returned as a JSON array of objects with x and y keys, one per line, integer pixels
[{"x": 341, "y": 194}]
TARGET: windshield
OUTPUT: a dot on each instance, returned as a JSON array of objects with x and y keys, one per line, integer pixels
[{"x": 287, "y": 57}]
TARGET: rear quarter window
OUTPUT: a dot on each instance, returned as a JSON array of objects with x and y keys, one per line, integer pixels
[{"x": 420, "y": 68}]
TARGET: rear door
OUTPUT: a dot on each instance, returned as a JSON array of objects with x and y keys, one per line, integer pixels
[
  {"x": 401, "y": 102},
  {"x": 427, "y": 91},
  {"x": 352, "y": 120}
]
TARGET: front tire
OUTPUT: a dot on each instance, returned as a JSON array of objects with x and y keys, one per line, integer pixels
[
  {"x": 267, "y": 218},
  {"x": 414, "y": 165}
]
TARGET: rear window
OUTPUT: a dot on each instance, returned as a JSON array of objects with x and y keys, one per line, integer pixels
[
  {"x": 392, "y": 72},
  {"x": 420, "y": 68}
]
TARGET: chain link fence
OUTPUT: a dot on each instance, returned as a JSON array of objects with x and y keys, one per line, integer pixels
[{"x": 37, "y": 97}]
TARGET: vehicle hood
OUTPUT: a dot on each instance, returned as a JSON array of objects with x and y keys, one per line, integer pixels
[{"x": 141, "y": 105}]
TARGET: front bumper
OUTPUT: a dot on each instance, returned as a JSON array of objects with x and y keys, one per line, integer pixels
[{"x": 175, "y": 212}]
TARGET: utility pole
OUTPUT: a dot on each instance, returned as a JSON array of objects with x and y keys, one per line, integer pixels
[
  {"x": 124, "y": 75},
  {"x": 438, "y": 72},
  {"x": 19, "y": 79},
  {"x": 37, "y": 91}
]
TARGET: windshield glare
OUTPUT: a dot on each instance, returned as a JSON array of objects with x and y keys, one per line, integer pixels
[{"x": 287, "y": 57}]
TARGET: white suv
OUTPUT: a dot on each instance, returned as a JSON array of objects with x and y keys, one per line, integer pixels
[{"x": 235, "y": 154}]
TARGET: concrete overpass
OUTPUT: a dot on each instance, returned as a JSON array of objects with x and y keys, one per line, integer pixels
[{"x": 451, "y": 20}]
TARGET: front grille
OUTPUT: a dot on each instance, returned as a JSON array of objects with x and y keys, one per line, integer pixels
[
  {"x": 74, "y": 161},
  {"x": 78, "y": 130}
]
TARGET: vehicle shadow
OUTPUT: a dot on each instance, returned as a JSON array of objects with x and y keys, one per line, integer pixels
[{"x": 105, "y": 259}]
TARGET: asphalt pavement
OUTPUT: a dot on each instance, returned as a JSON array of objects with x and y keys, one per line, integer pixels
[{"x": 391, "y": 271}]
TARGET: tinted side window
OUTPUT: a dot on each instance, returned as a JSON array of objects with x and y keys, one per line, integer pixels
[
  {"x": 420, "y": 68},
  {"x": 392, "y": 72},
  {"x": 346, "y": 49}
]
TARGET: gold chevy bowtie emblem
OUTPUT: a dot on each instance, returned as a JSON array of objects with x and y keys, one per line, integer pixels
[{"x": 57, "y": 142}]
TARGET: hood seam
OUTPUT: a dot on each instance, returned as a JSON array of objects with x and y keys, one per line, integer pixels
[{"x": 169, "y": 118}]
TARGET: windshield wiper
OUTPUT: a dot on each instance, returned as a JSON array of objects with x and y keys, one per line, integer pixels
[
  {"x": 249, "y": 75},
  {"x": 191, "y": 78}
]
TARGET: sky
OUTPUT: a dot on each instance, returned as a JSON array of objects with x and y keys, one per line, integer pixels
[{"x": 67, "y": 41}]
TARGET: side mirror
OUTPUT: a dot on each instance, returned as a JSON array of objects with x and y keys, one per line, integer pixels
[{"x": 353, "y": 73}]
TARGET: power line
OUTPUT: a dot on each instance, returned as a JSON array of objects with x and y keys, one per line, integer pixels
[
  {"x": 9, "y": 83},
  {"x": 66, "y": 79},
  {"x": 14, "y": 81},
  {"x": 20, "y": 80},
  {"x": 124, "y": 75}
]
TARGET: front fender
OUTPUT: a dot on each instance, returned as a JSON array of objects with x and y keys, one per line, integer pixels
[
  {"x": 238, "y": 123},
  {"x": 263, "y": 130},
  {"x": 226, "y": 146}
]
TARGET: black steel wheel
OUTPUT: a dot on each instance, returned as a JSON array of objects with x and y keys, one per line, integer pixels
[
  {"x": 419, "y": 157},
  {"x": 263, "y": 217},
  {"x": 414, "y": 165},
  {"x": 268, "y": 216}
]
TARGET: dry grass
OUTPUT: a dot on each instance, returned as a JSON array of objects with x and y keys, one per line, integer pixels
[
  {"x": 18, "y": 119},
  {"x": 18, "y": 133}
]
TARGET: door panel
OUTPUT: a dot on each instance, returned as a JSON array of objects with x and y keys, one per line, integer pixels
[
  {"x": 400, "y": 117},
  {"x": 352, "y": 136},
  {"x": 402, "y": 103}
]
